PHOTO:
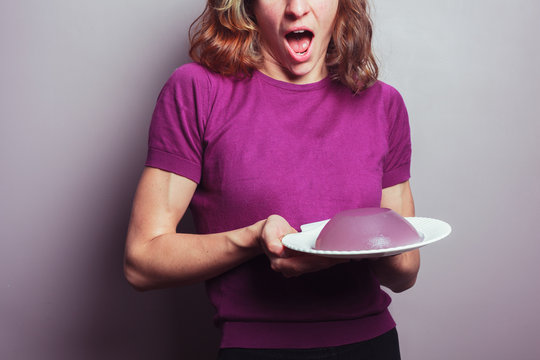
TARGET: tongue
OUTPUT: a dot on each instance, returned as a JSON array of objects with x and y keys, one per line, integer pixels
[{"x": 299, "y": 42}]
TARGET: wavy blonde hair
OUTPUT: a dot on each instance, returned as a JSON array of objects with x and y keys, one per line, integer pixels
[{"x": 225, "y": 39}]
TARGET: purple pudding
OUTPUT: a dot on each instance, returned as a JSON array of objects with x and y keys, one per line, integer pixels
[{"x": 366, "y": 229}]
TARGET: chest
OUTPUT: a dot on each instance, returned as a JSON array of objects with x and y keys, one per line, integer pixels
[{"x": 305, "y": 160}]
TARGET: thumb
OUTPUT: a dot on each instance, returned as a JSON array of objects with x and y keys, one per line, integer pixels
[{"x": 275, "y": 246}]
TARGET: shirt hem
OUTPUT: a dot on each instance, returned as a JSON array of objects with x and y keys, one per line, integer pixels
[
  {"x": 396, "y": 176},
  {"x": 173, "y": 163},
  {"x": 283, "y": 335}
]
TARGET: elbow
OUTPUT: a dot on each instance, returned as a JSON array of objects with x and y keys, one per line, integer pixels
[
  {"x": 408, "y": 272},
  {"x": 407, "y": 280},
  {"x": 135, "y": 279},
  {"x": 134, "y": 275},
  {"x": 403, "y": 286},
  {"x": 398, "y": 273}
]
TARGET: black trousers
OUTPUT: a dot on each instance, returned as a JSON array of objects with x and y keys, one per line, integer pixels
[{"x": 384, "y": 347}]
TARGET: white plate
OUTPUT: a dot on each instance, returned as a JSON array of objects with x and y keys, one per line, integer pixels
[{"x": 432, "y": 230}]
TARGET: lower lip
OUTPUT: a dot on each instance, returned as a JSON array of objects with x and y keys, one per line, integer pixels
[{"x": 297, "y": 57}]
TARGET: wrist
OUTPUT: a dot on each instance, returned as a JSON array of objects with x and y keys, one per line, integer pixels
[{"x": 247, "y": 238}]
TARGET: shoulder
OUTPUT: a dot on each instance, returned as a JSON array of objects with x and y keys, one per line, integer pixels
[
  {"x": 196, "y": 82},
  {"x": 200, "y": 78},
  {"x": 384, "y": 90},
  {"x": 190, "y": 74},
  {"x": 390, "y": 97}
]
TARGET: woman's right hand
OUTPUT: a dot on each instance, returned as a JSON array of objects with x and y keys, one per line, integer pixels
[{"x": 288, "y": 262}]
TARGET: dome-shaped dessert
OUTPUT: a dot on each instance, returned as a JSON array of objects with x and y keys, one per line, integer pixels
[{"x": 366, "y": 229}]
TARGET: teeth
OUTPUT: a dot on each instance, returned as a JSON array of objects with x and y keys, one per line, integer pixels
[{"x": 299, "y": 31}]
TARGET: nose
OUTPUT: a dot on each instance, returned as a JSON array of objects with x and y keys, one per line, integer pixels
[{"x": 297, "y": 8}]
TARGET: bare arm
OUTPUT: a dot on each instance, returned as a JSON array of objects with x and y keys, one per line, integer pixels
[
  {"x": 398, "y": 272},
  {"x": 156, "y": 256}
]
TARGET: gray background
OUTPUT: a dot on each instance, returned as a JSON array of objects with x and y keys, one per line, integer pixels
[{"x": 78, "y": 84}]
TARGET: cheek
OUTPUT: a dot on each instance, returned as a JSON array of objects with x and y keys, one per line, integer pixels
[
  {"x": 267, "y": 27},
  {"x": 329, "y": 11}
]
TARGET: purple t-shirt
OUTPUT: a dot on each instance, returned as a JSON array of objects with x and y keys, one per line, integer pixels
[{"x": 258, "y": 146}]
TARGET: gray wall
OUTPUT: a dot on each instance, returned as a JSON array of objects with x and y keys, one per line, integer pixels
[{"x": 78, "y": 85}]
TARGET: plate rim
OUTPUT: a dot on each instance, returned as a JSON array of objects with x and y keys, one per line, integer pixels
[{"x": 419, "y": 224}]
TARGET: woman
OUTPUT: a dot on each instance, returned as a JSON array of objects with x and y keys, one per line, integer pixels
[{"x": 280, "y": 122}]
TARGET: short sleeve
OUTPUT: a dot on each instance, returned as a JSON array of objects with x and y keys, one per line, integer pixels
[
  {"x": 175, "y": 141},
  {"x": 397, "y": 162}
]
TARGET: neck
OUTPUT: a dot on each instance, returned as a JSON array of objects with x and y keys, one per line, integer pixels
[{"x": 273, "y": 69}]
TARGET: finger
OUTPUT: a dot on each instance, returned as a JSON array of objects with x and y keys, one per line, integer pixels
[
  {"x": 288, "y": 253},
  {"x": 286, "y": 267},
  {"x": 297, "y": 263}
]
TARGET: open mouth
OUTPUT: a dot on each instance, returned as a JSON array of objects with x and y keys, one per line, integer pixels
[{"x": 299, "y": 40}]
